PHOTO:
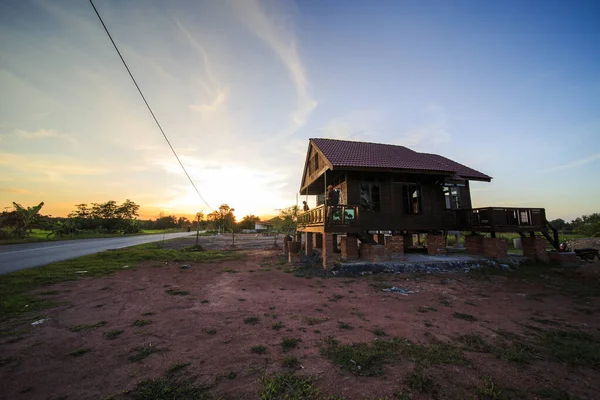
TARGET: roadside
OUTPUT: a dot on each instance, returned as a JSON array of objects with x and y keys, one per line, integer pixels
[
  {"x": 245, "y": 325},
  {"x": 15, "y": 257},
  {"x": 40, "y": 235}
]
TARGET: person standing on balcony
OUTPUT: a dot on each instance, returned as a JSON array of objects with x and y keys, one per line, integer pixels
[
  {"x": 305, "y": 206},
  {"x": 333, "y": 197}
]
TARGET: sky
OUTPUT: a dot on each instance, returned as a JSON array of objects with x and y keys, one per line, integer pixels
[{"x": 510, "y": 88}]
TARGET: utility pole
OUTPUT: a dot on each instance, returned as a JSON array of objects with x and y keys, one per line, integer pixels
[{"x": 197, "y": 227}]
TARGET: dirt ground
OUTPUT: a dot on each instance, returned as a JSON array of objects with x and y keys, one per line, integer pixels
[{"x": 210, "y": 327}]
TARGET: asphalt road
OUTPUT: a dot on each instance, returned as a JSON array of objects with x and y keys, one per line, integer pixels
[{"x": 14, "y": 257}]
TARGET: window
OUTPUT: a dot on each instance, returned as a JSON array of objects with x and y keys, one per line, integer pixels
[
  {"x": 452, "y": 197},
  {"x": 370, "y": 199},
  {"x": 412, "y": 199}
]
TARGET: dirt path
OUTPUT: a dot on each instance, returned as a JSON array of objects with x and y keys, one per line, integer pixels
[{"x": 211, "y": 315}]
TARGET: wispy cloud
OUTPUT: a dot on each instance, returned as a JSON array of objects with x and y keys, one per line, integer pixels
[
  {"x": 39, "y": 134},
  {"x": 14, "y": 190},
  {"x": 433, "y": 132},
  {"x": 356, "y": 125},
  {"x": 54, "y": 168},
  {"x": 275, "y": 30},
  {"x": 574, "y": 164},
  {"x": 427, "y": 134},
  {"x": 211, "y": 85}
]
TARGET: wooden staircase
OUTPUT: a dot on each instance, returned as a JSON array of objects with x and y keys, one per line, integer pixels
[{"x": 551, "y": 234}]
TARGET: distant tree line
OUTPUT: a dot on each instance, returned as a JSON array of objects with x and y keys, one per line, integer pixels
[
  {"x": 113, "y": 218},
  {"x": 588, "y": 225}
]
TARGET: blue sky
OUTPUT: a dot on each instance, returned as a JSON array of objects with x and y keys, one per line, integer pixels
[{"x": 510, "y": 88}]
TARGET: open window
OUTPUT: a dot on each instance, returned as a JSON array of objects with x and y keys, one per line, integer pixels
[
  {"x": 370, "y": 198},
  {"x": 452, "y": 197},
  {"x": 412, "y": 199}
]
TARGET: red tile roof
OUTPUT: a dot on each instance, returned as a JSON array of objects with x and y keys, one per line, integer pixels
[{"x": 344, "y": 153}]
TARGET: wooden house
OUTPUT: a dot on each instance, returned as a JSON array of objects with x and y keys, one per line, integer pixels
[{"x": 388, "y": 193}]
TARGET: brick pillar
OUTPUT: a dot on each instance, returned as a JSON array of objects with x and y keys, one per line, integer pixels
[
  {"x": 474, "y": 244},
  {"x": 494, "y": 247},
  {"x": 395, "y": 247},
  {"x": 535, "y": 248},
  {"x": 436, "y": 244},
  {"x": 349, "y": 247},
  {"x": 373, "y": 252},
  {"x": 309, "y": 243},
  {"x": 328, "y": 250},
  {"x": 408, "y": 241}
]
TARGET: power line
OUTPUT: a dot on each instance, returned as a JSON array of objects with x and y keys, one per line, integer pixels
[{"x": 148, "y": 105}]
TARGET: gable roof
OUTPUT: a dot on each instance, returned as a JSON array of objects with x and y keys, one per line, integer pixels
[{"x": 347, "y": 154}]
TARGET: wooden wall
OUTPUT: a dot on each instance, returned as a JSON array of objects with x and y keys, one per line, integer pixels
[{"x": 393, "y": 215}]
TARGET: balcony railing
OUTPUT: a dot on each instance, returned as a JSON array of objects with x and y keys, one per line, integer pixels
[
  {"x": 342, "y": 215},
  {"x": 499, "y": 218}
]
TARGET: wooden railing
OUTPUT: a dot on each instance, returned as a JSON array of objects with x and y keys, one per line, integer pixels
[
  {"x": 342, "y": 215},
  {"x": 505, "y": 219}
]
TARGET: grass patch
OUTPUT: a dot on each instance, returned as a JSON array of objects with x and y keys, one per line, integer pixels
[
  {"x": 141, "y": 352},
  {"x": 379, "y": 332},
  {"x": 251, "y": 320},
  {"x": 555, "y": 394},
  {"x": 113, "y": 334},
  {"x": 474, "y": 343},
  {"x": 335, "y": 298},
  {"x": 15, "y": 287},
  {"x": 259, "y": 349},
  {"x": 277, "y": 326},
  {"x": 177, "y": 367},
  {"x": 368, "y": 359},
  {"x": 169, "y": 388},
  {"x": 418, "y": 382},
  {"x": 571, "y": 347},
  {"x": 445, "y": 301},
  {"x": 79, "y": 352},
  {"x": 359, "y": 314},
  {"x": 466, "y": 317},
  {"x": 289, "y": 343},
  {"x": 513, "y": 350},
  {"x": 287, "y": 386},
  {"x": 210, "y": 331},
  {"x": 291, "y": 362},
  {"x": 78, "y": 328},
  {"x": 314, "y": 321},
  {"x": 343, "y": 325},
  {"x": 424, "y": 309},
  {"x": 142, "y": 322},
  {"x": 177, "y": 292}
]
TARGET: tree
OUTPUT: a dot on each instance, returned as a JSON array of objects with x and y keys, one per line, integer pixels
[
  {"x": 182, "y": 222},
  {"x": 588, "y": 225},
  {"x": 248, "y": 222},
  {"x": 21, "y": 219},
  {"x": 286, "y": 222},
  {"x": 559, "y": 224}
]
